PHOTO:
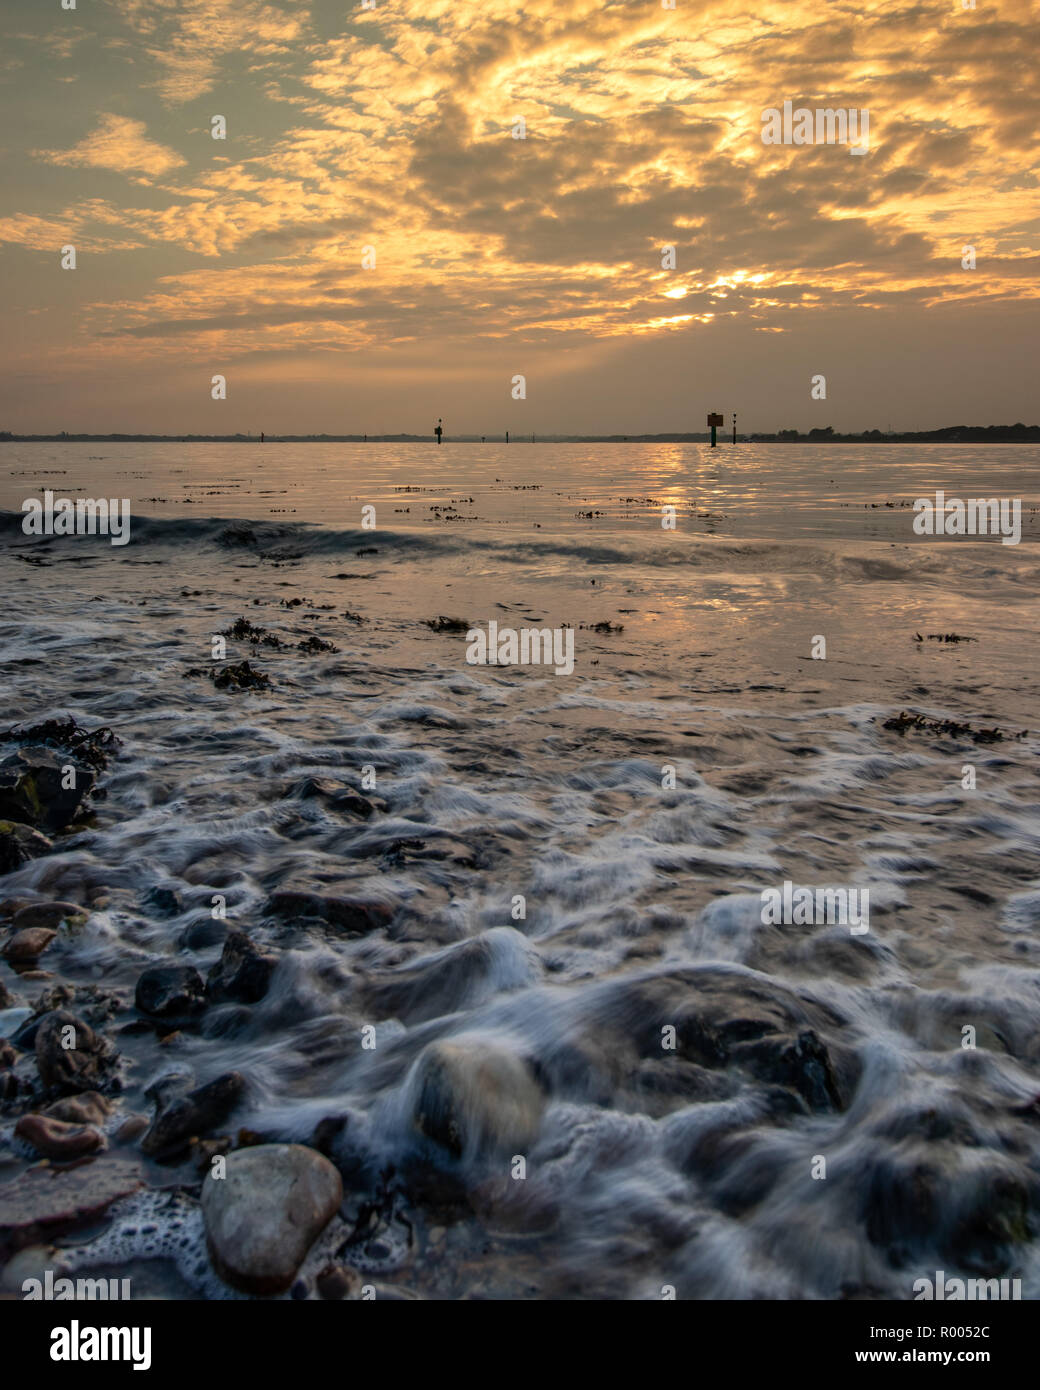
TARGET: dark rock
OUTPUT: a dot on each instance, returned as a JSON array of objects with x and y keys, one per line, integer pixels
[
  {"x": 10, "y": 1084},
  {"x": 190, "y": 1116},
  {"x": 20, "y": 843},
  {"x": 727, "y": 1017},
  {"x": 57, "y": 1139},
  {"x": 993, "y": 1216},
  {"x": 202, "y": 933},
  {"x": 169, "y": 1086},
  {"x": 170, "y": 991},
  {"x": 24, "y": 1036},
  {"x": 924, "y": 1194},
  {"x": 70, "y": 1056},
  {"x": 802, "y": 1064},
  {"x": 137, "y": 1027},
  {"x": 353, "y": 914},
  {"x": 266, "y": 1212},
  {"x": 236, "y": 677},
  {"x": 164, "y": 901},
  {"x": 31, "y": 788},
  {"x": 45, "y": 1201},
  {"x": 327, "y": 1133},
  {"x": 243, "y": 973},
  {"x": 902, "y": 1203}
]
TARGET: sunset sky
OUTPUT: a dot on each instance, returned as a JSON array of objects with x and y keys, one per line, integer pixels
[{"x": 391, "y": 128}]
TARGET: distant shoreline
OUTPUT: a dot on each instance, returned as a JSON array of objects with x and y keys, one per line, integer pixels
[{"x": 952, "y": 434}]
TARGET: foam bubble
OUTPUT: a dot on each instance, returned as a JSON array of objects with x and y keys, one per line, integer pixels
[{"x": 156, "y": 1226}]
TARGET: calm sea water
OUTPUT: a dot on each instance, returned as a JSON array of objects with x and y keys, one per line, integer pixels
[{"x": 781, "y": 491}]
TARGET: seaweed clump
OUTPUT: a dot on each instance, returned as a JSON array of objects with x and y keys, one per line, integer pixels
[
  {"x": 93, "y": 747},
  {"x": 234, "y": 678},
  {"x": 952, "y": 728}
]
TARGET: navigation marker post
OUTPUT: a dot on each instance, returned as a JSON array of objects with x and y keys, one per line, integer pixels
[{"x": 714, "y": 421}]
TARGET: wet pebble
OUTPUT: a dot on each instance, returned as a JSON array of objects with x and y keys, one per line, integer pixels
[
  {"x": 49, "y": 915},
  {"x": 336, "y": 1282},
  {"x": 57, "y": 1139},
  {"x": 266, "y": 1212},
  {"x": 476, "y": 1096},
  {"x": 28, "y": 945},
  {"x": 131, "y": 1129},
  {"x": 88, "y": 1108}
]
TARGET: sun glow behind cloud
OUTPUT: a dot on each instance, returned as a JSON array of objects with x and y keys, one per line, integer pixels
[{"x": 391, "y": 129}]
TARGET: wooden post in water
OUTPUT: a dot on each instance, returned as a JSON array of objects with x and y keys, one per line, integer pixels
[{"x": 714, "y": 421}]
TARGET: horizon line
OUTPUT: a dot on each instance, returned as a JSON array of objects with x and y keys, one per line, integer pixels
[{"x": 1015, "y": 433}]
